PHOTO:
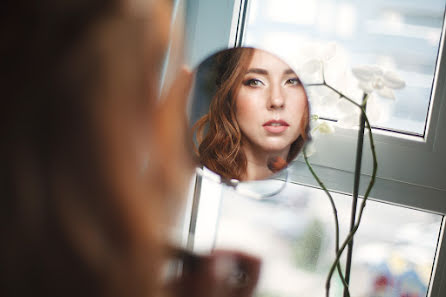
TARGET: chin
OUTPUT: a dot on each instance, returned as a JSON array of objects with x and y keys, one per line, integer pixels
[{"x": 276, "y": 148}]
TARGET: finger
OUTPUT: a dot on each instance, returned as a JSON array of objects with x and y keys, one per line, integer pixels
[
  {"x": 179, "y": 90},
  {"x": 170, "y": 129},
  {"x": 243, "y": 275}
]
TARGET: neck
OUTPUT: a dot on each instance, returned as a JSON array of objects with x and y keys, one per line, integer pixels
[{"x": 257, "y": 162}]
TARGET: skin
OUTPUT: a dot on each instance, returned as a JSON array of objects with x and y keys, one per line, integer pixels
[{"x": 270, "y": 90}]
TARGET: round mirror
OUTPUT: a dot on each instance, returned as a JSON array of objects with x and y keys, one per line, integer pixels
[{"x": 249, "y": 116}]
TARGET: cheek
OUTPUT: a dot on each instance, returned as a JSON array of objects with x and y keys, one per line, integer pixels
[
  {"x": 298, "y": 102},
  {"x": 247, "y": 106}
]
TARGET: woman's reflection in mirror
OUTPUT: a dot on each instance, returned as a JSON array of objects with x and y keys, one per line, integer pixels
[{"x": 258, "y": 119}]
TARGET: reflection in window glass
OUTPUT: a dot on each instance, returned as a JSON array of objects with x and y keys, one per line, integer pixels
[
  {"x": 397, "y": 35},
  {"x": 293, "y": 233}
]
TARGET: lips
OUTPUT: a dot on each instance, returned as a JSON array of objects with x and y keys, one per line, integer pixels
[{"x": 276, "y": 126}]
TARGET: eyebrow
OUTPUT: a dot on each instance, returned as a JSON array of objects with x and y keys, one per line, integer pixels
[
  {"x": 257, "y": 70},
  {"x": 265, "y": 72}
]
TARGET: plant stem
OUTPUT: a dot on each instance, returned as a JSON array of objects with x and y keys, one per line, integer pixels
[
  {"x": 335, "y": 213},
  {"x": 353, "y": 226},
  {"x": 357, "y": 178},
  {"x": 361, "y": 210},
  {"x": 336, "y": 91}
]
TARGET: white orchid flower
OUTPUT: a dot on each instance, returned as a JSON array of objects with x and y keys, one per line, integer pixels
[
  {"x": 373, "y": 78},
  {"x": 310, "y": 148},
  {"x": 323, "y": 127},
  {"x": 348, "y": 114},
  {"x": 322, "y": 99},
  {"x": 318, "y": 127},
  {"x": 311, "y": 70},
  {"x": 377, "y": 111}
]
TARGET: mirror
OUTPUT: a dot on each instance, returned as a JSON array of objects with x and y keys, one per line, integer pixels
[{"x": 249, "y": 114}]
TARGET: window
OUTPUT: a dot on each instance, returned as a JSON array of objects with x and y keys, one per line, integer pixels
[
  {"x": 412, "y": 165},
  {"x": 293, "y": 234},
  {"x": 398, "y": 35}
]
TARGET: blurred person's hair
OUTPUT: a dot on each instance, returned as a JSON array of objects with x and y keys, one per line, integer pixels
[
  {"x": 218, "y": 134},
  {"x": 78, "y": 215}
]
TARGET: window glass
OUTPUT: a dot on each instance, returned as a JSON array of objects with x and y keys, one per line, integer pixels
[
  {"x": 398, "y": 35},
  {"x": 294, "y": 235}
]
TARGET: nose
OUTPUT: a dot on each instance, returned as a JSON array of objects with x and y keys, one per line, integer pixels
[{"x": 276, "y": 98}]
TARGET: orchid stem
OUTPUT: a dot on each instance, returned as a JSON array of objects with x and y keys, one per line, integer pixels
[
  {"x": 337, "y": 92},
  {"x": 364, "y": 122},
  {"x": 357, "y": 178},
  {"x": 335, "y": 213},
  {"x": 361, "y": 210}
]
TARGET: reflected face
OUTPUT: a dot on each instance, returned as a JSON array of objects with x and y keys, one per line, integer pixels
[{"x": 270, "y": 105}]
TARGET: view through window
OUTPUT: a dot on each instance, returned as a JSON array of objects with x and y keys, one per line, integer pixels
[
  {"x": 398, "y": 35},
  {"x": 294, "y": 235}
]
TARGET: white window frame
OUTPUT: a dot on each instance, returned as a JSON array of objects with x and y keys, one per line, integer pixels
[{"x": 412, "y": 170}]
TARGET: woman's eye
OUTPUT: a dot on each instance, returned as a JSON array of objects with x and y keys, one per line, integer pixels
[
  {"x": 253, "y": 82},
  {"x": 293, "y": 81}
]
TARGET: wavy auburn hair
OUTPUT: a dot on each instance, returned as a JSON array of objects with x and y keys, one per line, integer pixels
[{"x": 218, "y": 134}]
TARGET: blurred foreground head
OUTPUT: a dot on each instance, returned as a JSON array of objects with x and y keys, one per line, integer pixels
[{"x": 86, "y": 178}]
